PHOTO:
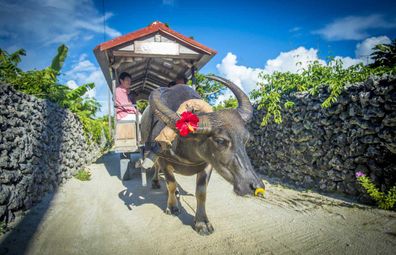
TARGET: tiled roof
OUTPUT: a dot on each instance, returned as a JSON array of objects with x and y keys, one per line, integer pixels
[{"x": 152, "y": 28}]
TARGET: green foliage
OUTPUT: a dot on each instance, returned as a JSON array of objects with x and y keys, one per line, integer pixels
[
  {"x": 383, "y": 201},
  {"x": 208, "y": 89},
  {"x": 3, "y": 227},
  {"x": 83, "y": 175},
  {"x": 384, "y": 55},
  {"x": 44, "y": 84},
  {"x": 289, "y": 104},
  {"x": 104, "y": 122},
  {"x": 141, "y": 105},
  {"x": 231, "y": 102},
  {"x": 9, "y": 64},
  {"x": 271, "y": 87},
  {"x": 59, "y": 59}
]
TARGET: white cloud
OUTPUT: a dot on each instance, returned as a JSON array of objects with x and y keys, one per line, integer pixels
[
  {"x": 84, "y": 72},
  {"x": 295, "y": 29},
  {"x": 247, "y": 77},
  {"x": 72, "y": 84},
  {"x": 168, "y": 2},
  {"x": 83, "y": 57},
  {"x": 348, "y": 61},
  {"x": 244, "y": 77},
  {"x": 353, "y": 27},
  {"x": 51, "y": 21},
  {"x": 82, "y": 66},
  {"x": 293, "y": 61},
  {"x": 365, "y": 48},
  {"x": 39, "y": 26}
]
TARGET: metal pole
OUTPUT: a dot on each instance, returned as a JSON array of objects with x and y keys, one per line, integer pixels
[
  {"x": 113, "y": 77},
  {"x": 113, "y": 83},
  {"x": 109, "y": 112},
  {"x": 193, "y": 79}
]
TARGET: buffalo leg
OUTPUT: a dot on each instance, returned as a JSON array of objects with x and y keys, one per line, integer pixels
[
  {"x": 202, "y": 224},
  {"x": 155, "y": 183},
  {"x": 173, "y": 206}
]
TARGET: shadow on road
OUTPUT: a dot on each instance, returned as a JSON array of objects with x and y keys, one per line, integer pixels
[{"x": 135, "y": 195}]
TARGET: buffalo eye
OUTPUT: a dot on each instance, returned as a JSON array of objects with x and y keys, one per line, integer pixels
[{"x": 221, "y": 141}]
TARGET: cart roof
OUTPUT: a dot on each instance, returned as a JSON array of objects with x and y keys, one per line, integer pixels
[{"x": 153, "y": 56}]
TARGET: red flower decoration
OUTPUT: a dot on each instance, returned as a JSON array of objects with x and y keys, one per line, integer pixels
[{"x": 187, "y": 123}]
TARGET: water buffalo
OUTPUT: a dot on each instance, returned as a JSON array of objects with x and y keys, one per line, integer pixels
[{"x": 219, "y": 143}]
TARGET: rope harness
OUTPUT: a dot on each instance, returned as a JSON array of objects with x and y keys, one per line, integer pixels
[{"x": 177, "y": 160}]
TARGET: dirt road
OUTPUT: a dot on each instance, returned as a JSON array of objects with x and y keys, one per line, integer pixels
[{"x": 108, "y": 216}]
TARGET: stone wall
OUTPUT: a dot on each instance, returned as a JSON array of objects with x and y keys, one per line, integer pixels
[
  {"x": 323, "y": 148},
  {"x": 41, "y": 145}
]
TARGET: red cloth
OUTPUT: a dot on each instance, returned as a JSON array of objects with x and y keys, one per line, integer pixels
[{"x": 123, "y": 103}]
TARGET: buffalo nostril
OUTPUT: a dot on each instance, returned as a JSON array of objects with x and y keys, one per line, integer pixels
[{"x": 255, "y": 186}]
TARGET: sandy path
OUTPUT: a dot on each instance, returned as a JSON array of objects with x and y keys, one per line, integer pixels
[{"x": 108, "y": 216}]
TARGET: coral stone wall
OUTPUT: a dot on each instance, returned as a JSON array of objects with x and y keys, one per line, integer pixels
[
  {"x": 41, "y": 145},
  {"x": 323, "y": 148}
]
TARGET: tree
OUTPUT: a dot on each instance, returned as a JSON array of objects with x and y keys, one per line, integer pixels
[
  {"x": 208, "y": 89},
  {"x": 9, "y": 64},
  {"x": 141, "y": 105},
  {"x": 384, "y": 55},
  {"x": 44, "y": 84},
  {"x": 231, "y": 102}
]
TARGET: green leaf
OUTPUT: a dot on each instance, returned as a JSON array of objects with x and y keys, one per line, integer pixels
[
  {"x": 59, "y": 59},
  {"x": 79, "y": 91}
]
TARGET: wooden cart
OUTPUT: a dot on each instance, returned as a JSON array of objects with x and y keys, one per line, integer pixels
[{"x": 154, "y": 56}]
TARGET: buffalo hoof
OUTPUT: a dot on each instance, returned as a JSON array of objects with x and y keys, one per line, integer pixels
[
  {"x": 203, "y": 228},
  {"x": 155, "y": 185},
  {"x": 172, "y": 211}
]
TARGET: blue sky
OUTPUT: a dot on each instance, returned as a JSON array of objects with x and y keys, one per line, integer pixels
[{"x": 250, "y": 36}]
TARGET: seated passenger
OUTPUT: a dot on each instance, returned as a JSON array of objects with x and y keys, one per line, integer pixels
[
  {"x": 124, "y": 108},
  {"x": 180, "y": 79}
]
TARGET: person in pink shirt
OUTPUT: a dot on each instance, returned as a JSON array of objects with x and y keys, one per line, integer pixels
[{"x": 124, "y": 108}]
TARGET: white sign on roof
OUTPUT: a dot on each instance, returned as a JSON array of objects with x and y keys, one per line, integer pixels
[{"x": 162, "y": 48}]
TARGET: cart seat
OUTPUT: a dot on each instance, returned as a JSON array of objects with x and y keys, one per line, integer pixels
[{"x": 126, "y": 136}]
